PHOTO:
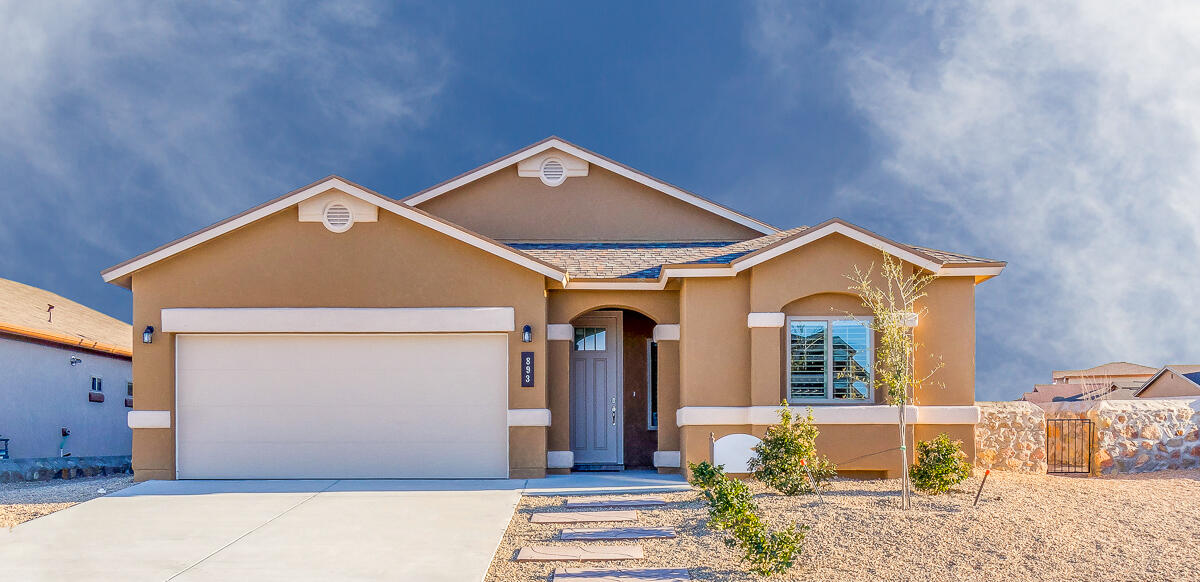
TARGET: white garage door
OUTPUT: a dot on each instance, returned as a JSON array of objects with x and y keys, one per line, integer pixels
[{"x": 342, "y": 406}]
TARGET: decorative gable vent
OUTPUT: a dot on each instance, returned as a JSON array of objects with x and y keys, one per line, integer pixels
[
  {"x": 553, "y": 172},
  {"x": 338, "y": 217}
]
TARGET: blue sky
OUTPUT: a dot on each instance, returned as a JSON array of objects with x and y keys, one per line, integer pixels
[{"x": 1063, "y": 138}]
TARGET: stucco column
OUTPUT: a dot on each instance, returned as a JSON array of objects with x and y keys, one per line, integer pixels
[
  {"x": 558, "y": 395},
  {"x": 666, "y": 336},
  {"x": 766, "y": 358}
]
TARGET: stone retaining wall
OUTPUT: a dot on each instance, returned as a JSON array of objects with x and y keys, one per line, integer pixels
[
  {"x": 44, "y": 469},
  {"x": 1011, "y": 436},
  {"x": 1136, "y": 436}
]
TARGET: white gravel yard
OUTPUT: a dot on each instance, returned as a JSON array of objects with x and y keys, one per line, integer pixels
[
  {"x": 1026, "y": 527},
  {"x": 25, "y": 500}
]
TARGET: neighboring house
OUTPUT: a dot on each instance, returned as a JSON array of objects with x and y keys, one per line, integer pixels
[
  {"x": 62, "y": 366},
  {"x": 550, "y": 310},
  {"x": 1172, "y": 380},
  {"x": 1111, "y": 381}
]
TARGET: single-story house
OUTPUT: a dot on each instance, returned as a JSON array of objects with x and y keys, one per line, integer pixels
[
  {"x": 1172, "y": 380},
  {"x": 552, "y": 310},
  {"x": 1111, "y": 381},
  {"x": 65, "y": 377}
]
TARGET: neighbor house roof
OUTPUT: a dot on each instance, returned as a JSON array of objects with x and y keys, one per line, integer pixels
[
  {"x": 1109, "y": 369},
  {"x": 1190, "y": 372},
  {"x": 554, "y": 142},
  {"x": 25, "y": 311}
]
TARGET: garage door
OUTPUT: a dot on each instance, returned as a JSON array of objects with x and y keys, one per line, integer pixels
[{"x": 342, "y": 406}]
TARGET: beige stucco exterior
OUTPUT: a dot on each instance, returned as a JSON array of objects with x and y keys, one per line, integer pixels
[
  {"x": 1168, "y": 383},
  {"x": 717, "y": 360}
]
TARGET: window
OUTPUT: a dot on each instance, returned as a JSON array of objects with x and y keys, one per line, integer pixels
[
  {"x": 97, "y": 384},
  {"x": 652, "y": 386},
  {"x": 829, "y": 360},
  {"x": 590, "y": 339},
  {"x": 129, "y": 389}
]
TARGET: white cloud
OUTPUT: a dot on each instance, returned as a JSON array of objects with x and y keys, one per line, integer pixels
[
  {"x": 127, "y": 124},
  {"x": 1063, "y": 137}
]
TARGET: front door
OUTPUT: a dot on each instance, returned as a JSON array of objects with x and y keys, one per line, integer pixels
[{"x": 596, "y": 395}]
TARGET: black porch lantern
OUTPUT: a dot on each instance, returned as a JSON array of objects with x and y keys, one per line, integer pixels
[{"x": 527, "y": 334}]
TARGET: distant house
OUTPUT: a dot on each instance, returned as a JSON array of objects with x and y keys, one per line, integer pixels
[
  {"x": 1173, "y": 380},
  {"x": 1111, "y": 381},
  {"x": 64, "y": 368}
]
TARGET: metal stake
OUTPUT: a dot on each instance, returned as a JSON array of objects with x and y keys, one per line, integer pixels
[
  {"x": 816, "y": 489},
  {"x": 977, "y": 493}
]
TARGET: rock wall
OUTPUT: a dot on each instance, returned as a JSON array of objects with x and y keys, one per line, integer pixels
[
  {"x": 1011, "y": 436},
  {"x": 1136, "y": 436}
]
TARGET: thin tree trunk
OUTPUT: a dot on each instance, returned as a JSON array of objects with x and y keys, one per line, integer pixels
[{"x": 904, "y": 501}]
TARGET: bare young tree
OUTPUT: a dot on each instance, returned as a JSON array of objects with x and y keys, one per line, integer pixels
[{"x": 891, "y": 297}]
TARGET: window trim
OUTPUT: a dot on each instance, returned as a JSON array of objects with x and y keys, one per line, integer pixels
[
  {"x": 97, "y": 384},
  {"x": 787, "y": 361}
]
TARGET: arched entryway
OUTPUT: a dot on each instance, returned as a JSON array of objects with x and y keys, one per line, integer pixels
[{"x": 613, "y": 390}]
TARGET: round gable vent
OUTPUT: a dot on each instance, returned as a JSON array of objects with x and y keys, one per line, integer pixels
[
  {"x": 553, "y": 172},
  {"x": 338, "y": 217}
]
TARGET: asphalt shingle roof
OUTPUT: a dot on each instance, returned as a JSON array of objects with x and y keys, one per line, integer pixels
[
  {"x": 25, "y": 307},
  {"x": 644, "y": 260}
]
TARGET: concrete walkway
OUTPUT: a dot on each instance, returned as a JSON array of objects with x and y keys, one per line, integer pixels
[{"x": 294, "y": 531}]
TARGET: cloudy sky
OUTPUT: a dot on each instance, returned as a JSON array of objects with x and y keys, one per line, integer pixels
[{"x": 1062, "y": 137}]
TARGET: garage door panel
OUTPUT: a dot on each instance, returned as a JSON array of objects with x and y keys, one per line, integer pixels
[
  {"x": 323, "y": 460},
  {"x": 415, "y": 405}
]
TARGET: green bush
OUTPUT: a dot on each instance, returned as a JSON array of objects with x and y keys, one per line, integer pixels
[
  {"x": 941, "y": 464},
  {"x": 731, "y": 508},
  {"x": 779, "y": 459}
]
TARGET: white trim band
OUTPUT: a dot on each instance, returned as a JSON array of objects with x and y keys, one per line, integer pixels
[
  {"x": 338, "y": 320},
  {"x": 666, "y": 332},
  {"x": 666, "y": 459},
  {"x": 948, "y": 415},
  {"x": 560, "y": 331},
  {"x": 529, "y": 417},
  {"x": 560, "y": 459},
  {"x": 148, "y": 419},
  {"x": 822, "y": 414},
  {"x": 762, "y": 319}
]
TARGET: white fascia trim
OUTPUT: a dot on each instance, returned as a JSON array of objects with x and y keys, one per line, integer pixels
[
  {"x": 968, "y": 271},
  {"x": 763, "y": 319},
  {"x": 947, "y": 415},
  {"x": 372, "y": 198},
  {"x": 148, "y": 419},
  {"x": 603, "y": 163},
  {"x": 528, "y": 417},
  {"x": 560, "y": 459},
  {"x": 666, "y": 459},
  {"x": 842, "y": 229},
  {"x": 338, "y": 320},
  {"x": 560, "y": 331},
  {"x": 618, "y": 286},
  {"x": 666, "y": 332},
  {"x": 765, "y": 415}
]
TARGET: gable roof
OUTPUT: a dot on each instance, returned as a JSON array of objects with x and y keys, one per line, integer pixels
[
  {"x": 1190, "y": 372},
  {"x": 118, "y": 274},
  {"x": 649, "y": 265},
  {"x": 23, "y": 312},
  {"x": 554, "y": 142}
]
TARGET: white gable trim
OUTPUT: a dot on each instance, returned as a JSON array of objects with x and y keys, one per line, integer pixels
[
  {"x": 843, "y": 229},
  {"x": 355, "y": 191},
  {"x": 589, "y": 157}
]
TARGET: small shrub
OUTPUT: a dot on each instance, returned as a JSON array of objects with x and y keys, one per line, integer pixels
[
  {"x": 941, "y": 464},
  {"x": 779, "y": 459},
  {"x": 731, "y": 508}
]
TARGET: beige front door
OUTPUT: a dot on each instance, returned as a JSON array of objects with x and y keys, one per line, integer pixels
[{"x": 596, "y": 394}]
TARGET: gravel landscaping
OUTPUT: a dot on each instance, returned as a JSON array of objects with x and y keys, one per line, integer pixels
[
  {"x": 25, "y": 500},
  {"x": 1026, "y": 527}
]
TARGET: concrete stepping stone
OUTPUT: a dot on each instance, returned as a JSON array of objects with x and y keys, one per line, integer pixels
[
  {"x": 615, "y": 502},
  {"x": 617, "y": 533},
  {"x": 607, "y": 575},
  {"x": 578, "y": 552},
  {"x": 582, "y": 516}
]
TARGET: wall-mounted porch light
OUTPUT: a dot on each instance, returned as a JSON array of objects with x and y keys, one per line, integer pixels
[
  {"x": 527, "y": 334},
  {"x": 148, "y": 334}
]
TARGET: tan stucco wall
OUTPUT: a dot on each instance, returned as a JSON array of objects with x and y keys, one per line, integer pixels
[
  {"x": 714, "y": 346},
  {"x": 599, "y": 206},
  {"x": 1170, "y": 384},
  {"x": 281, "y": 262}
]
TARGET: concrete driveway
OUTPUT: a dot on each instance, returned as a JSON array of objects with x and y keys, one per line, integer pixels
[
  {"x": 269, "y": 530},
  {"x": 294, "y": 531}
]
